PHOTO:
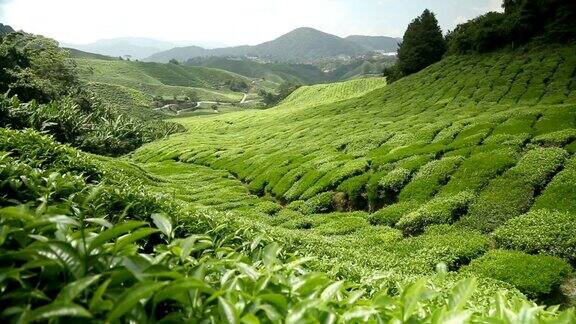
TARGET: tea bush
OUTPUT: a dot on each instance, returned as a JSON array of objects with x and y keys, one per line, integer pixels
[
  {"x": 534, "y": 275},
  {"x": 540, "y": 231},
  {"x": 511, "y": 195},
  {"x": 441, "y": 210}
]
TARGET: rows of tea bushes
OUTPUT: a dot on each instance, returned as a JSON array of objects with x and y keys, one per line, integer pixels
[
  {"x": 472, "y": 145},
  {"x": 83, "y": 238}
]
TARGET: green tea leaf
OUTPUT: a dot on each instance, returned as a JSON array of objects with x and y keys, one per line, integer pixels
[
  {"x": 53, "y": 310},
  {"x": 73, "y": 289},
  {"x": 163, "y": 223},
  {"x": 132, "y": 296},
  {"x": 113, "y": 233},
  {"x": 227, "y": 311}
]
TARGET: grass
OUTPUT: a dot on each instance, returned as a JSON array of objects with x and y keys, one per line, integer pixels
[{"x": 441, "y": 158}]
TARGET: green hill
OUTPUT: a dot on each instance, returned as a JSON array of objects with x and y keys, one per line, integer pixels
[
  {"x": 78, "y": 54},
  {"x": 274, "y": 72},
  {"x": 328, "y": 93},
  {"x": 119, "y": 82},
  {"x": 300, "y": 45},
  {"x": 474, "y": 153}
]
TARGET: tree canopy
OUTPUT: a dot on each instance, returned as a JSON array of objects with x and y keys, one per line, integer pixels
[
  {"x": 423, "y": 44},
  {"x": 522, "y": 21}
]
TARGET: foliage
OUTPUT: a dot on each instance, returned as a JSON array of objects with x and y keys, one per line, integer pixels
[
  {"x": 534, "y": 275},
  {"x": 97, "y": 130},
  {"x": 422, "y": 44},
  {"x": 285, "y": 89},
  {"x": 70, "y": 256},
  {"x": 540, "y": 231},
  {"x": 547, "y": 21},
  {"x": 35, "y": 67},
  {"x": 442, "y": 210}
]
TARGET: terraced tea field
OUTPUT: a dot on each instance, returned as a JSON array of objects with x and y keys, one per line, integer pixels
[
  {"x": 124, "y": 84},
  {"x": 474, "y": 154}
]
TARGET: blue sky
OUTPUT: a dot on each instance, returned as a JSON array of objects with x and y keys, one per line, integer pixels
[{"x": 230, "y": 22}]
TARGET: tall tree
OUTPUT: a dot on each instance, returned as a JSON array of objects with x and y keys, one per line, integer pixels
[{"x": 423, "y": 44}]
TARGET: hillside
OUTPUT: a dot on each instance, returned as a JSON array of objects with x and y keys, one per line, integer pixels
[
  {"x": 300, "y": 45},
  {"x": 330, "y": 93},
  {"x": 472, "y": 156},
  {"x": 78, "y": 54},
  {"x": 5, "y": 29},
  {"x": 274, "y": 72},
  {"x": 119, "y": 82},
  {"x": 376, "y": 43}
]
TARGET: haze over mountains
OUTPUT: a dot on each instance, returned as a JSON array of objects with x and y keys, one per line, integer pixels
[
  {"x": 135, "y": 47},
  {"x": 300, "y": 45}
]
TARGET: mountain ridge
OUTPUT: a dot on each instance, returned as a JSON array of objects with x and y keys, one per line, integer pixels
[
  {"x": 135, "y": 47},
  {"x": 301, "y": 45}
]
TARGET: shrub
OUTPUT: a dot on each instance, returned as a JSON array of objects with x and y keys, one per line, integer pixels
[
  {"x": 383, "y": 187},
  {"x": 429, "y": 179},
  {"x": 354, "y": 188},
  {"x": 268, "y": 207},
  {"x": 441, "y": 210},
  {"x": 559, "y": 138},
  {"x": 540, "y": 231},
  {"x": 511, "y": 195},
  {"x": 453, "y": 246},
  {"x": 341, "y": 223},
  {"x": 534, "y": 275},
  {"x": 560, "y": 194},
  {"x": 477, "y": 170},
  {"x": 321, "y": 203},
  {"x": 390, "y": 215}
]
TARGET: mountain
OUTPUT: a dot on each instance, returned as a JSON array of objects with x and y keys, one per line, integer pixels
[
  {"x": 307, "y": 44},
  {"x": 5, "y": 29},
  {"x": 302, "y": 45},
  {"x": 274, "y": 72},
  {"x": 376, "y": 43},
  {"x": 136, "y": 48}
]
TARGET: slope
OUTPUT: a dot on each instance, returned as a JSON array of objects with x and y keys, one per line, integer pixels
[
  {"x": 78, "y": 54},
  {"x": 274, "y": 72},
  {"x": 413, "y": 174},
  {"x": 113, "y": 80},
  {"x": 5, "y": 29}
]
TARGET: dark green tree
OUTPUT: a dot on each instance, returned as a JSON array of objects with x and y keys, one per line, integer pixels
[{"x": 423, "y": 44}]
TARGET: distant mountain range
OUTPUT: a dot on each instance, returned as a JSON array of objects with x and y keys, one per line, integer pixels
[
  {"x": 302, "y": 45},
  {"x": 5, "y": 29},
  {"x": 135, "y": 47}
]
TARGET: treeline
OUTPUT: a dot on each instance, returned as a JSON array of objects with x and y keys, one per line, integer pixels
[
  {"x": 523, "y": 21},
  {"x": 546, "y": 21},
  {"x": 40, "y": 88}
]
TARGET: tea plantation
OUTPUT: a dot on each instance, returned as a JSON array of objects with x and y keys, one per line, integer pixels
[
  {"x": 472, "y": 156},
  {"x": 447, "y": 196},
  {"x": 134, "y": 84}
]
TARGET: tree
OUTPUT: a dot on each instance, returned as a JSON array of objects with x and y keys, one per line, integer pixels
[
  {"x": 173, "y": 61},
  {"x": 423, "y": 44},
  {"x": 34, "y": 67}
]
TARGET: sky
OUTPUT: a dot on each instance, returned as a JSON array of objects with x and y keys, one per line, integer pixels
[{"x": 227, "y": 22}]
